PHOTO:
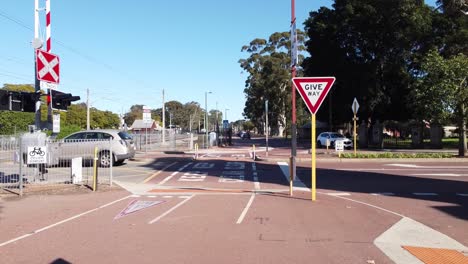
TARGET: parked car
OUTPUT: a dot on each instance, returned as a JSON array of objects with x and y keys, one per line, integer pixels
[
  {"x": 244, "y": 134},
  {"x": 83, "y": 143},
  {"x": 332, "y": 137}
]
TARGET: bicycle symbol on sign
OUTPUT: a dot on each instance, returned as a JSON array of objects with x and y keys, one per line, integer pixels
[{"x": 38, "y": 151}]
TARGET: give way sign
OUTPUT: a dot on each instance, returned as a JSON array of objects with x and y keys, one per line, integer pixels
[
  {"x": 47, "y": 67},
  {"x": 313, "y": 90}
]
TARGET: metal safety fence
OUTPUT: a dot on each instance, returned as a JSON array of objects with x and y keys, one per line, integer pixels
[
  {"x": 171, "y": 141},
  {"x": 24, "y": 164}
]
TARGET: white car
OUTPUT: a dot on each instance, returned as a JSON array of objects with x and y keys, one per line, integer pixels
[
  {"x": 332, "y": 137},
  {"x": 82, "y": 144}
]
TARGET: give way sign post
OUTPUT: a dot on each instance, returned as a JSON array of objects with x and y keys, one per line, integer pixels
[
  {"x": 313, "y": 91},
  {"x": 47, "y": 67}
]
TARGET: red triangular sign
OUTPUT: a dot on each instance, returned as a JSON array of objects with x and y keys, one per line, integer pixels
[{"x": 313, "y": 90}]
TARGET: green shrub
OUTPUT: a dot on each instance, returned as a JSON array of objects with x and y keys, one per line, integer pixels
[{"x": 391, "y": 155}]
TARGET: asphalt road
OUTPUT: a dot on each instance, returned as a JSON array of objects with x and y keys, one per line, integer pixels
[{"x": 226, "y": 208}]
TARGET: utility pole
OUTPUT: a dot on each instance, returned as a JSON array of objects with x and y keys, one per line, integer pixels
[
  {"x": 87, "y": 109},
  {"x": 37, "y": 44},
  {"x": 292, "y": 165},
  {"x": 163, "y": 119},
  {"x": 266, "y": 125}
]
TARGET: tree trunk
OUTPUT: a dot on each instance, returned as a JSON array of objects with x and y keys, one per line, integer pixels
[
  {"x": 462, "y": 149},
  {"x": 281, "y": 128}
]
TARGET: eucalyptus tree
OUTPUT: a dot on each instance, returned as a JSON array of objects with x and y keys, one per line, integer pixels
[{"x": 269, "y": 78}]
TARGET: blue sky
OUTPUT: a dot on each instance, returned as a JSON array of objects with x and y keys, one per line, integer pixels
[{"x": 126, "y": 52}]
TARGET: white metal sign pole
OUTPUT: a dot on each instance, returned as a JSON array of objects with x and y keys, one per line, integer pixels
[{"x": 355, "y": 151}]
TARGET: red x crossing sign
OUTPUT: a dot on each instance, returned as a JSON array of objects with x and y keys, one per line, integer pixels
[{"x": 47, "y": 67}]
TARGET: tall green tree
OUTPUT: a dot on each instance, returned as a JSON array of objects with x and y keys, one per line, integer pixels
[
  {"x": 369, "y": 45},
  {"x": 269, "y": 78},
  {"x": 441, "y": 93}
]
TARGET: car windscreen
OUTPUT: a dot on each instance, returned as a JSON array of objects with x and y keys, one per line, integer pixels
[
  {"x": 124, "y": 135},
  {"x": 337, "y": 136}
]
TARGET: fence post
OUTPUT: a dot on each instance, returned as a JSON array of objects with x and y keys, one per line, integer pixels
[
  {"x": 111, "y": 176},
  {"x": 20, "y": 176},
  {"x": 95, "y": 176}
]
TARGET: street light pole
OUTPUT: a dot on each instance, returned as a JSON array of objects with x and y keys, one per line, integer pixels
[
  {"x": 163, "y": 119},
  {"x": 266, "y": 126},
  {"x": 206, "y": 117}
]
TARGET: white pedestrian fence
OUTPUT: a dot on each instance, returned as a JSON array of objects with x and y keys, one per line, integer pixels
[
  {"x": 33, "y": 159},
  {"x": 172, "y": 141}
]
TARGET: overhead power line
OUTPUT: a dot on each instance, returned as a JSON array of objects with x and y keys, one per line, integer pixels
[{"x": 75, "y": 51}]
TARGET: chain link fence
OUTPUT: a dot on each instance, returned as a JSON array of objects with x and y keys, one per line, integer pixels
[{"x": 25, "y": 163}]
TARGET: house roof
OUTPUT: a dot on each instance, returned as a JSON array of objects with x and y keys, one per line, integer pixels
[{"x": 139, "y": 124}]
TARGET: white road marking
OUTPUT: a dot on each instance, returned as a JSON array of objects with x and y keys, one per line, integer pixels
[
  {"x": 404, "y": 165},
  {"x": 244, "y": 212},
  {"x": 462, "y": 194},
  {"x": 297, "y": 183},
  {"x": 192, "y": 176},
  {"x": 63, "y": 221},
  {"x": 152, "y": 196},
  {"x": 167, "y": 196},
  {"x": 384, "y": 194},
  {"x": 338, "y": 194},
  {"x": 170, "y": 210},
  {"x": 158, "y": 172},
  {"x": 368, "y": 204},
  {"x": 234, "y": 165},
  {"x": 255, "y": 177},
  {"x": 438, "y": 174},
  {"x": 425, "y": 194},
  {"x": 174, "y": 173},
  {"x": 204, "y": 165},
  {"x": 232, "y": 176}
]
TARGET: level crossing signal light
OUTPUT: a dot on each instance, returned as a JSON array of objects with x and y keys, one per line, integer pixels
[
  {"x": 18, "y": 101},
  {"x": 60, "y": 100}
]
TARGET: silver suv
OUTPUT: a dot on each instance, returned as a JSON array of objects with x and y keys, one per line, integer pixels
[{"x": 83, "y": 143}]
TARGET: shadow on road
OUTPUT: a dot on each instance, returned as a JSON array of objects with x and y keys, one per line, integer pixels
[{"x": 350, "y": 181}]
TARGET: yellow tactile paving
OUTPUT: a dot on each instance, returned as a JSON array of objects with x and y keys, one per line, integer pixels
[{"x": 437, "y": 255}]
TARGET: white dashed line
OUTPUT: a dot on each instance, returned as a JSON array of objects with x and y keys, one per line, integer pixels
[
  {"x": 339, "y": 194},
  {"x": 170, "y": 210},
  {"x": 244, "y": 212},
  {"x": 384, "y": 194},
  {"x": 64, "y": 221},
  {"x": 425, "y": 194},
  {"x": 174, "y": 173}
]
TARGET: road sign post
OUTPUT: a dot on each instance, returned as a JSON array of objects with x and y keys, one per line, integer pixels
[
  {"x": 313, "y": 91},
  {"x": 355, "y": 108}
]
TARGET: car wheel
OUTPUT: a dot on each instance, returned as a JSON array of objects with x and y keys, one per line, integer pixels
[
  {"x": 319, "y": 144},
  {"x": 105, "y": 159}
]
